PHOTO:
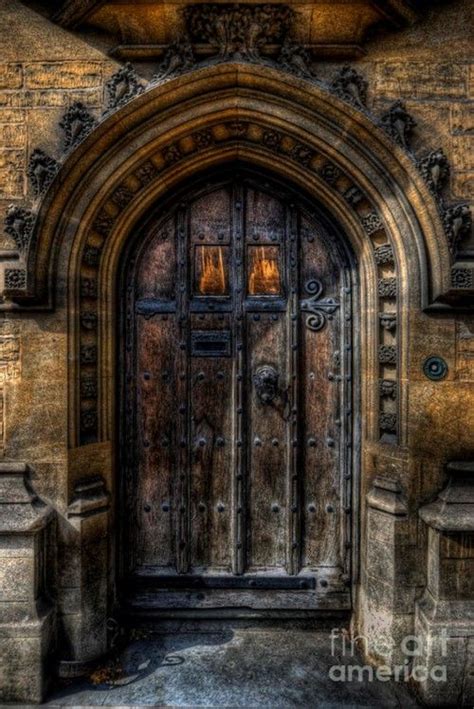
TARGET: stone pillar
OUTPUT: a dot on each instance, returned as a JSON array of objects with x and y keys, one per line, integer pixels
[
  {"x": 27, "y": 611},
  {"x": 83, "y": 578},
  {"x": 445, "y": 612},
  {"x": 387, "y": 594}
]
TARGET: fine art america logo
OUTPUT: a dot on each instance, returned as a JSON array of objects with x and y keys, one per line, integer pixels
[{"x": 346, "y": 649}]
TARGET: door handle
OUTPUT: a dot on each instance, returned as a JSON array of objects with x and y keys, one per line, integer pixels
[{"x": 265, "y": 381}]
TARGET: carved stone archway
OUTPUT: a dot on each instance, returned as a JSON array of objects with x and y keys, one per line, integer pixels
[{"x": 210, "y": 117}]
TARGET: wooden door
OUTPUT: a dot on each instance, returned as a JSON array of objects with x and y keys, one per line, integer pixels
[{"x": 237, "y": 415}]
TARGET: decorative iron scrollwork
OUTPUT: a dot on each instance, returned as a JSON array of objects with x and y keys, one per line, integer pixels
[
  {"x": 265, "y": 381},
  {"x": 319, "y": 309}
]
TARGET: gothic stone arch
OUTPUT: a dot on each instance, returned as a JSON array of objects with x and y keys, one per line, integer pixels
[{"x": 207, "y": 118}]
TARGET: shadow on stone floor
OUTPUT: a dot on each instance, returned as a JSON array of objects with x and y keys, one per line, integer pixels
[{"x": 228, "y": 665}]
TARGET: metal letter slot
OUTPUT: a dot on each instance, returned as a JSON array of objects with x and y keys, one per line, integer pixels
[{"x": 210, "y": 343}]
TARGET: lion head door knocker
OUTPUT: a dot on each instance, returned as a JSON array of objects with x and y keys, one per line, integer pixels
[{"x": 265, "y": 381}]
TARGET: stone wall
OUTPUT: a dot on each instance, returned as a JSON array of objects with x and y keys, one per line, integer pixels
[{"x": 43, "y": 70}]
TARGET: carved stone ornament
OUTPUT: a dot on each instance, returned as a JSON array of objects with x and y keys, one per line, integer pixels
[
  {"x": 457, "y": 224},
  {"x": 88, "y": 389},
  {"x": 88, "y": 288},
  {"x": 387, "y": 354},
  {"x": 353, "y": 196},
  {"x": 19, "y": 224},
  {"x": 123, "y": 86},
  {"x": 434, "y": 168},
  {"x": 350, "y": 86},
  {"x": 398, "y": 124},
  {"x": 462, "y": 278},
  {"x": 238, "y": 31},
  {"x": 384, "y": 255},
  {"x": 91, "y": 256},
  {"x": 76, "y": 123},
  {"x": 371, "y": 223},
  {"x": 88, "y": 420},
  {"x": 103, "y": 224},
  {"x": 15, "y": 279},
  {"x": 295, "y": 59},
  {"x": 319, "y": 309},
  {"x": 388, "y": 389},
  {"x": 41, "y": 171},
  {"x": 388, "y": 422},
  {"x": 388, "y": 287},
  {"x": 146, "y": 173},
  {"x": 122, "y": 196},
  {"x": 88, "y": 354},
  {"x": 330, "y": 173},
  {"x": 178, "y": 58},
  {"x": 89, "y": 320},
  {"x": 388, "y": 321}
]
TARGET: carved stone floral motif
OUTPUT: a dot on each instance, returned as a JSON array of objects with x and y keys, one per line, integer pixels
[
  {"x": 398, "y": 124},
  {"x": 76, "y": 123},
  {"x": 457, "y": 221},
  {"x": 384, "y": 255},
  {"x": 462, "y": 278},
  {"x": 19, "y": 224},
  {"x": 41, "y": 171},
  {"x": 88, "y": 420},
  {"x": 178, "y": 58},
  {"x": 15, "y": 279},
  {"x": 295, "y": 59},
  {"x": 350, "y": 86},
  {"x": 146, "y": 173},
  {"x": 387, "y": 354},
  {"x": 122, "y": 196},
  {"x": 238, "y": 31},
  {"x": 302, "y": 154},
  {"x": 123, "y": 86},
  {"x": 272, "y": 139},
  {"x": 172, "y": 154},
  {"x": 434, "y": 168},
  {"x": 203, "y": 139},
  {"x": 388, "y": 287},
  {"x": 371, "y": 223},
  {"x": 330, "y": 173}
]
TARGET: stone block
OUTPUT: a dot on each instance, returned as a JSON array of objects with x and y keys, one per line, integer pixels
[
  {"x": 62, "y": 75},
  {"x": 25, "y": 652},
  {"x": 12, "y": 173},
  {"x": 17, "y": 579},
  {"x": 11, "y": 76},
  {"x": 12, "y": 135}
]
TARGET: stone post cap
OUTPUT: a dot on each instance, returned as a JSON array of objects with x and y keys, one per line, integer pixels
[
  {"x": 387, "y": 495},
  {"x": 453, "y": 511},
  {"x": 21, "y": 510}
]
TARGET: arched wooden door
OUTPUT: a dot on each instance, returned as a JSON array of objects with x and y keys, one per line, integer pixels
[{"x": 237, "y": 405}]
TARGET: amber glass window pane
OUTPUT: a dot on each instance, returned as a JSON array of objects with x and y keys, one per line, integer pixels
[
  {"x": 264, "y": 270},
  {"x": 211, "y": 270}
]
